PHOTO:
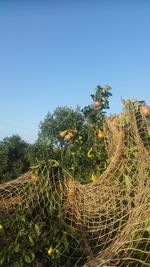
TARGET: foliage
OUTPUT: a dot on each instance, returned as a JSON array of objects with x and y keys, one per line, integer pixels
[
  {"x": 70, "y": 142},
  {"x": 13, "y": 158},
  {"x": 62, "y": 118},
  {"x": 73, "y": 137},
  {"x": 26, "y": 241},
  {"x": 39, "y": 151},
  {"x": 20, "y": 251}
]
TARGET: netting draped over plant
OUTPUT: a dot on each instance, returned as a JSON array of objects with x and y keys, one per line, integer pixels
[{"x": 106, "y": 222}]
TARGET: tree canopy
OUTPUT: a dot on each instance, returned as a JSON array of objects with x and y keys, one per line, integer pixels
[{"x": 13, "y": 157}]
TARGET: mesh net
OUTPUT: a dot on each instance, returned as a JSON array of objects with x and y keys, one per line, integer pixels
[{"x": 109, "y": 218}]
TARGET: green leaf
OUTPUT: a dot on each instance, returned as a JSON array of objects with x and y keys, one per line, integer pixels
[
  {"x": 92, "y": 96},
  {"x": 32, "y": 256},
  {"x": 2, "y": 259},
  {"x": 37, "y": 229},
  {"x": 1, "y": 228},
  {"x": 16, "y": 248},
  {"x": 27, "y": 259},
  {"x": 17, "y": 264},
  {"x": 22, "y": 218},
  {"x": 31, "y": 240}
]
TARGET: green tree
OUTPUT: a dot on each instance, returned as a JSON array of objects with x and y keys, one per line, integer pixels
[
  {"x": 63, "y": 118},
  {"x": 50, "y": 144},
  {"x": 13, "y": 158},
  {"x": 75, "y": 137}
]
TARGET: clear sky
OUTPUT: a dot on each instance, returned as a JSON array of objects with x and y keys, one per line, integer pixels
[{"x": 54, "y": 53}]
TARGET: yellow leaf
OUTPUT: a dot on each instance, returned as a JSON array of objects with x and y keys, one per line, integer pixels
[
  {"x": 50, "y": 251},
  {"x": 93, "y": 178},
  {"x": 89, "y": 154}
]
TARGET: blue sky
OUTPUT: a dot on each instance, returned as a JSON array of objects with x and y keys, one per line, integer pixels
[{"x": 54, "y": 53}]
